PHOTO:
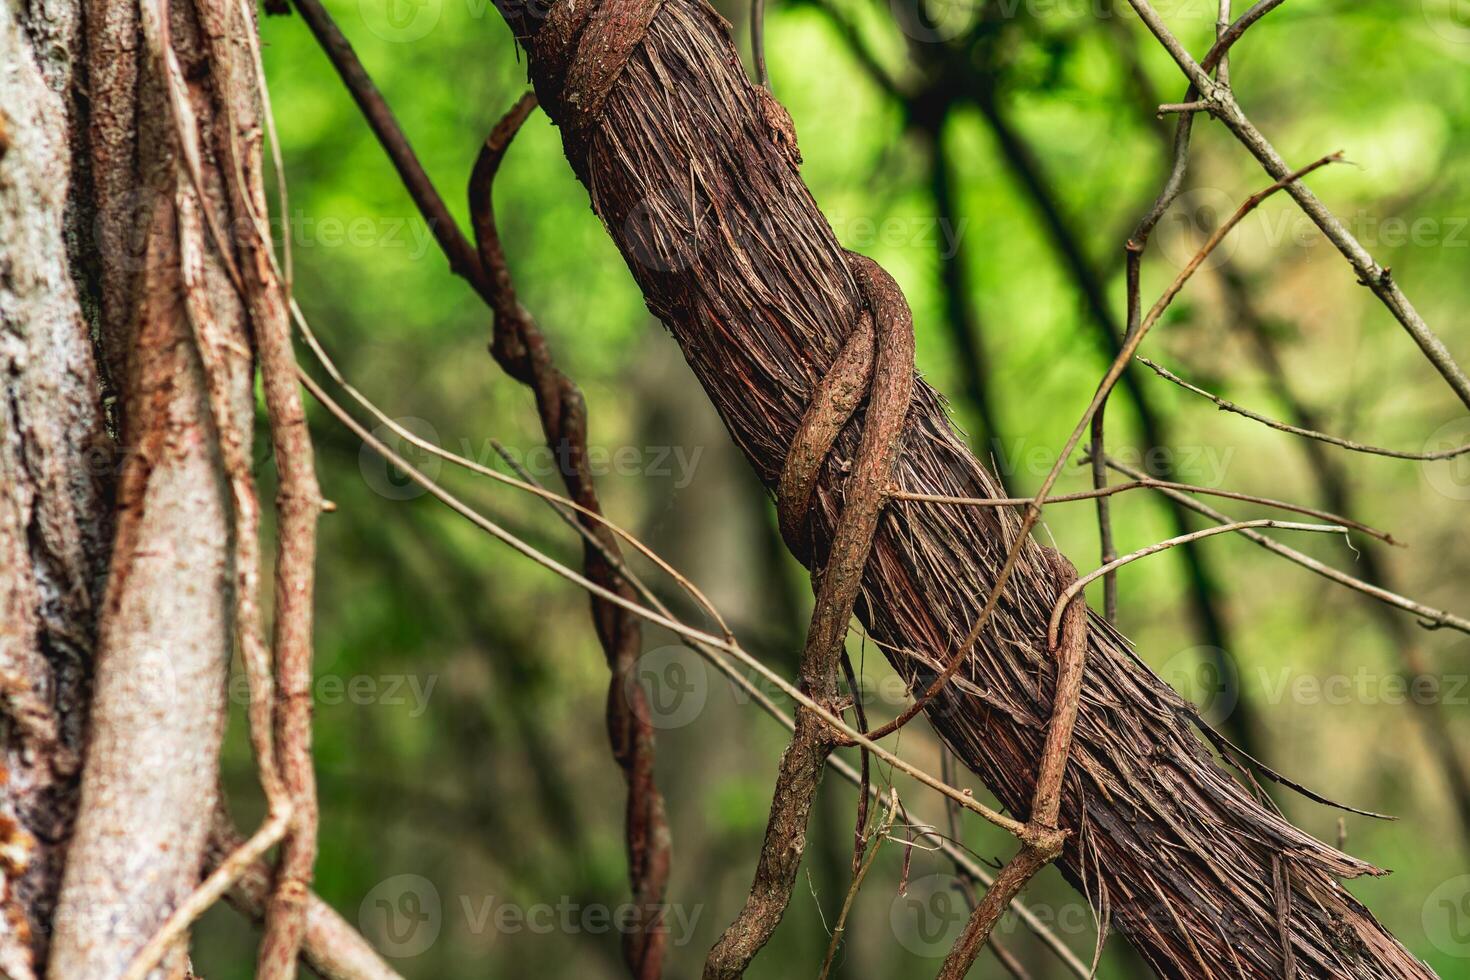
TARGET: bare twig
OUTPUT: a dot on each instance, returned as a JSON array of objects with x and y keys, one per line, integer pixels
[
  {"x": 457, "y": 248},
  {"x": 1138, "y": 241},
  {"x": 1430, "y": 617},
  {"x": 874, "y": 843},
  {"x": 520, "y": 349},
  {"x": 526, "y": 483},
  {"x": 1169, "y": 108},
  {"x": 1133, "y": 252},
  {"x": 1043, "y": 840},
  {"x": 1376, "y": 277},
  {"x": 1148, "y": 483},
  {"x": 1153, "y": 549},
  {"x": 1222, "y": 26},
  {"x": 758, "y": 41},
  {"x": 1357, "y": 447}
]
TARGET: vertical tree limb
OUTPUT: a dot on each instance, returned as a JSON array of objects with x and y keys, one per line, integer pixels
[
  {"x": 238, "y": 133},
  {"x": 166, "y": 625},
  {"x": 520, "y": 349},
  {"x": 56, "y": 462}
]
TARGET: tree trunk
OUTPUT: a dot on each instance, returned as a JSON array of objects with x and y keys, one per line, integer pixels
[
  {"x": 115, "y": 595},
  {"x": 692, "y": 172},
  {"x": 55, "y": 464}
]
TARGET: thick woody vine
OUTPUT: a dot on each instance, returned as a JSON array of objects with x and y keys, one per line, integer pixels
[{"x": 844, "y": 472}]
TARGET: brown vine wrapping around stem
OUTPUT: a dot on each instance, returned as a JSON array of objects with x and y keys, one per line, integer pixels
[
  {"x": 888, "y": 375},
  {"x": 520, "y": 349},
  {"x": 699, "y": 190}
]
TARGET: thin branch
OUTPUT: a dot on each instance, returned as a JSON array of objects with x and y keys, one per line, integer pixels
[
  {"x": 1430, "y": 618},
  {"x": 1115, "y": 371},
  {"x": 758, "y": 41},
  {"x": 1222, "y": 26},
  {"x": 875, "y": 844},
  {"x": 526, "y": 483},
  {"x": 1153, "y": 549},
  {"x": 1376, "y": 277},
  {"x": 521, "y": 350},
  {"x": 1148, "y": 483},
  {"x": 1030, "y": 172},
  {"x": 1357, "y": 447},
  {"x": 1169, "y": 108},
  {"x": 462, "y": 259}
]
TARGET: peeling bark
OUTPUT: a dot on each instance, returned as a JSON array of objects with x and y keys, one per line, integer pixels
[{"x": 166, "y": 624}]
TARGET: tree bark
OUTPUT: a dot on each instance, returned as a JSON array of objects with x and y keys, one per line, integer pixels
[
  {"x": 166, "y": 626},
  {"x": 695, "y": 179},
  {"x": 55, "y": 463}
]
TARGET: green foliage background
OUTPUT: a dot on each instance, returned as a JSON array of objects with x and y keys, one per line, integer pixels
[{"x": 459, "y": 730}]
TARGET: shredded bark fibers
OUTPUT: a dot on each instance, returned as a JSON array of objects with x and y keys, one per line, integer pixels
[{"x": 695, "y": 179}]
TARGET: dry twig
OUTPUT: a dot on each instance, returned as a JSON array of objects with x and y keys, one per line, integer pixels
[
  {"x": 1043, "y": 840},
  {"x": 1225, "y": 108},
  {"x": 874, "y": 843},
  {"x": 1428, "y": 616},
  {"x": 1076, "y": 587},
  {"x": 1357, "y": 447}
]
